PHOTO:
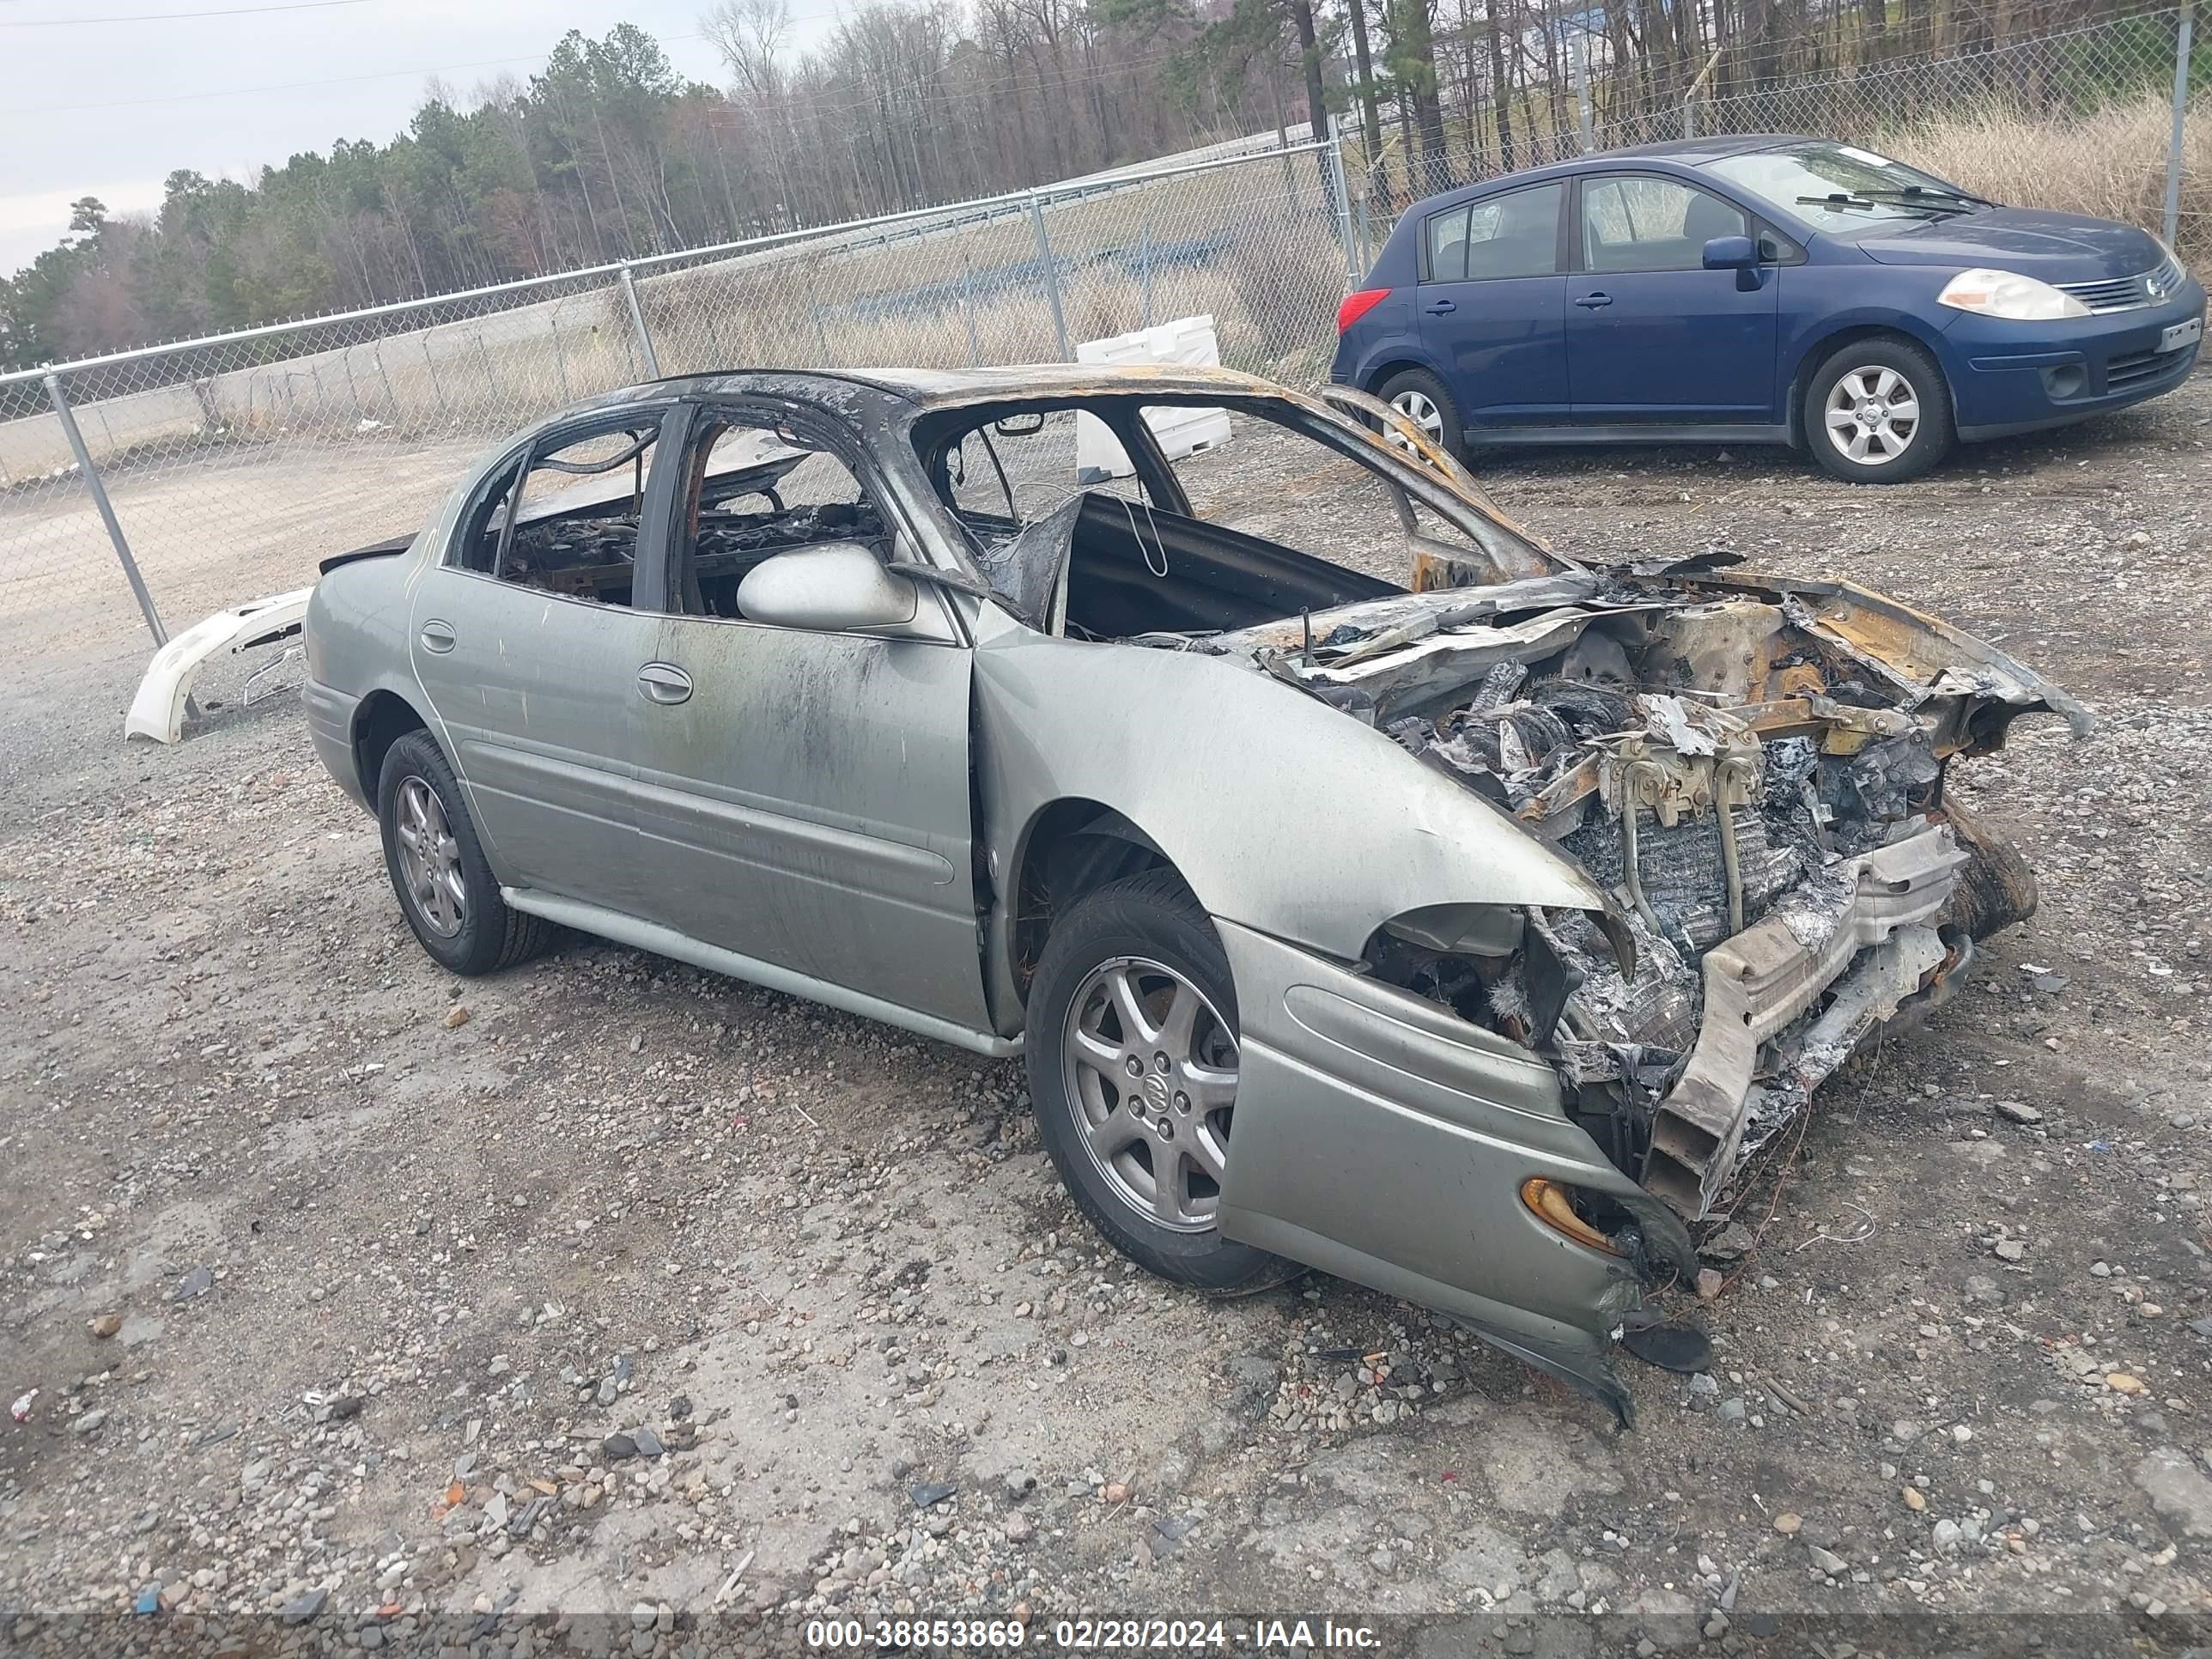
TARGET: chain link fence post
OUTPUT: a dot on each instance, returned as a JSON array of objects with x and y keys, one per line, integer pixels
[
  {"x": 814, "y": 310},
  {"x": 1051, "y": 276},
  {"x": 2182, "y": 28},
  {"x": 560, "y": 360},
  {"x": 968, "y": 308},
  {"x": 437, "y": 386},
  {"x": 637, "y": 322},
  {"x": 1365, "y": 211},
  {"x": 1144, "y": 270},
  {"x": 1338, "y": 189},
  {"x": 92, "y": 481},
  {"x": 1582, "y": 122}
]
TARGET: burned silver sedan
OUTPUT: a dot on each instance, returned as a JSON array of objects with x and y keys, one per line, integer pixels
[{"x": 1461, "y": 934}]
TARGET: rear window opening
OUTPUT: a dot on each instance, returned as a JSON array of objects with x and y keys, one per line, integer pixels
[{"x": 565, "y": 519}]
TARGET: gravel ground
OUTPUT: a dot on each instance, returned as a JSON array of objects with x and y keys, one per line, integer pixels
[{"x": 609, "y": 1303}]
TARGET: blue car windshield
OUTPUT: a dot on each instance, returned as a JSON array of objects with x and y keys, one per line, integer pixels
[{"x": 1840, "y": 187}]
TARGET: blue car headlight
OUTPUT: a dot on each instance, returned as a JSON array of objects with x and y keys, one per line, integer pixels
[{"x": 2009, "y": 296}]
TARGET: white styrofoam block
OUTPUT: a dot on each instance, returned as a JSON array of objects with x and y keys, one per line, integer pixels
[{"x": 1187, "y": 341}]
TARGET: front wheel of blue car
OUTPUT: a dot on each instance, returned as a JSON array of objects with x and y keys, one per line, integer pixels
[
  {"x": 1133, "y": 1064},
  {"x": 1879, "y": 412}
]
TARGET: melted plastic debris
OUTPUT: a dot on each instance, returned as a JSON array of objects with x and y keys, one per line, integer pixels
[
  {"x": 1670, "y": 721},
  {"x": 1714, "y": 751}
]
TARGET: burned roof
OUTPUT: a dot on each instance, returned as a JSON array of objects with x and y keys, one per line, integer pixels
[
  {"x": 948, "y": 386},
  {"x": 960, "y": 385}
]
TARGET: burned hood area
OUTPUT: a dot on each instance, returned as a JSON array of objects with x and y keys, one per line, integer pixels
[{"x": 1752, "y": 767}]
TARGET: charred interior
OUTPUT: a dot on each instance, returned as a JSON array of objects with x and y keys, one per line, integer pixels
[
  {"x": 1215, "y": 577},
  {"x": 582, "y": 542}
]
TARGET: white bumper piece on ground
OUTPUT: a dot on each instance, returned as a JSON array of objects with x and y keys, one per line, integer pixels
[{"x": 158, "y": 710}]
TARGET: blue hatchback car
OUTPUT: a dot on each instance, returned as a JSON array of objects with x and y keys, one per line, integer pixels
[{"x": 1766, "y": 288}]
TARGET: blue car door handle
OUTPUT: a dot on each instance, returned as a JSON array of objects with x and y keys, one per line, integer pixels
[
  {"x": 1592, "y": 301},
  {"x": 664, "y": 682},
  {"x": 1442, "y": 308}
]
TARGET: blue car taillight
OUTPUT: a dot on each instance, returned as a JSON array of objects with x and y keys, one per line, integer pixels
[{"x": 1356, "y": 306}]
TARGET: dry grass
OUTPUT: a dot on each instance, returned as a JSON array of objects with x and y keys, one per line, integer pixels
[
  {"x": 2110, "y": 163},
  {"x": 1287, "y": 281}
]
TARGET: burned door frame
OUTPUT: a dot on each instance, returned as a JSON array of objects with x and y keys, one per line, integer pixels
[
  {"x": 807, "y": 804},
  {"x": 519, "y": 682}
]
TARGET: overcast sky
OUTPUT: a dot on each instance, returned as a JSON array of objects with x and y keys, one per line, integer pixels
[{"x": 110, "y": 109}]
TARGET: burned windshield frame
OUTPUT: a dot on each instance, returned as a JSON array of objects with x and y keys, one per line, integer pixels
[
  {"x": 998, "y": 467},
  {"x": 1457, "y": 500}
]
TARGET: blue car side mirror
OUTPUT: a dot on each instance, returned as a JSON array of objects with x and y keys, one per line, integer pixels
[{"x": 1731, "y": 254}]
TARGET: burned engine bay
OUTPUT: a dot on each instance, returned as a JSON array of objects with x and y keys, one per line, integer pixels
[{"x": 1752, "y": 769}]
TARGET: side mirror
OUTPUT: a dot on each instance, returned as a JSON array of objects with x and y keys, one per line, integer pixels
[
  {"x": 1731, "y": 254},
  {"x": 832, "y": 587}
]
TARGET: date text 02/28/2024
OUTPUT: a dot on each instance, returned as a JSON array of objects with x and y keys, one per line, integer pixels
[{"x": 1109, "y": 1635}]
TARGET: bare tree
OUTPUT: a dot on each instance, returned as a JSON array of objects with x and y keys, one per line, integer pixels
[{"x": 750, "y": 36}]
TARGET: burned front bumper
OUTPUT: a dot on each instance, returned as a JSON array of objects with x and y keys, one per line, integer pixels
[
  {"x": 1867, "y": 931},
  {"x": 1412, "y": 1132}
]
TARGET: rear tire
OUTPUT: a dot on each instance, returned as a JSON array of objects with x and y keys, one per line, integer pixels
[
  {"x": 1140, "y": 1149},
  {"x": 1420, "y": 395},
  {"x": 1858, "y": 401},
  {"x": 444, "y": 884}
]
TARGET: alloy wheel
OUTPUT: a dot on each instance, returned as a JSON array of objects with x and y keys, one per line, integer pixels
[
  {"x": 1150, "y": 1066},
  {"x": 429, "y": 857},
  {"x": 1421, "y": 409},
  {"x": 1873, "y": 415}
]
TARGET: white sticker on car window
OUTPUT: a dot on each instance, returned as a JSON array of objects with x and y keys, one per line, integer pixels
[{"x": 1866, "y": 155}]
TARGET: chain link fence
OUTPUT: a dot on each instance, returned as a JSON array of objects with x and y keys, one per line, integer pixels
[
  {"x": 2097, "y": 119},
  {"x": 160, "y": 485},
  {"x": 220, "y": 471}
]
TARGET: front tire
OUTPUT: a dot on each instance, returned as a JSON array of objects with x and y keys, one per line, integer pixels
[
  {"x": 445, "y": 885},
  {"x": 1133, "y": 1065},
  {"x": 1421, "y": 398},
  {"x": 1879, "y": 412}
]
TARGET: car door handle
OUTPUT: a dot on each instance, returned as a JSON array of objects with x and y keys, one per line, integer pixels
[
  {"x": 1442, "y": 307},
  {"x": 439, "y": 637},
  {"x": 664, "y": 682},
  {"x": 1592, "y": 301}
]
